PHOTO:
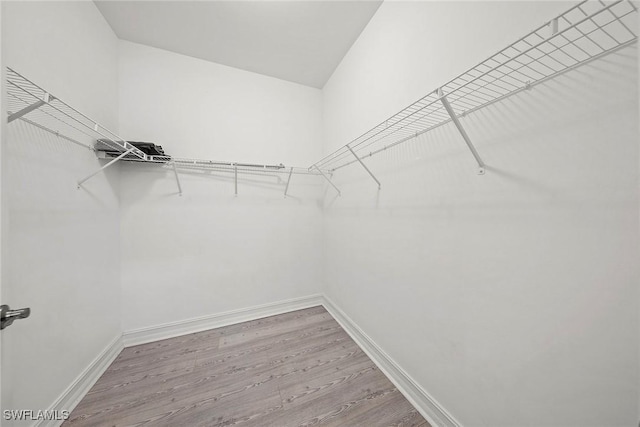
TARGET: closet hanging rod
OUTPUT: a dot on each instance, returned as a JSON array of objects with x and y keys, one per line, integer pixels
[
  {"x": 231, "y": 169},
  {"x": 200, "y": 164},
  {"x": 585, "y": 32}
]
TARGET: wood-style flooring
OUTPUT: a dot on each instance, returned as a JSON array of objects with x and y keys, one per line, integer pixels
[{"x": 296, "y": 369}]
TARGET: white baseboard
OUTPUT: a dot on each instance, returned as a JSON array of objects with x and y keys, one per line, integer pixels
[
  {"x": 83, "y": 383},
  {"x": 428, "y": 407},
  {"x": 174, "y": 329}
]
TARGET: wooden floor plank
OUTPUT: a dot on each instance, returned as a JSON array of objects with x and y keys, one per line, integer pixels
[
  {"x": 210, "y": 400},
  {"x": 311, "y": 385},
  {"x": 295, "y": 369},
  {"x": 274, "y": 329},
  {"x": 390, "y": 409}
]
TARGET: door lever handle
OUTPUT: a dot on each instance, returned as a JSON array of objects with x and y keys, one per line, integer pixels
[{"x": 7, "y": 316}]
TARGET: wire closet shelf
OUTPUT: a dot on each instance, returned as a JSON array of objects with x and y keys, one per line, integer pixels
[
  {"x": 32, "y": 104},
  {"x": 48, "y": 113},
  {"x": 585, "y": 32}
]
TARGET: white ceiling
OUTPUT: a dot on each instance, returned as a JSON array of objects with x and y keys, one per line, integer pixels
[{"x": 298, "y": 41}]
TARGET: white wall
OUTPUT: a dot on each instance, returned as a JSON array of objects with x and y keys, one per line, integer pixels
[
  {"x": 60, "y": 249},
  {"x": 208, "y": 251},
  {"x": 510, "y": 297}
]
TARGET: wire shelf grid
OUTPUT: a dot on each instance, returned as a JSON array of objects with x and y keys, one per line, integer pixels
[
  {"x": 32, "y": 104},
  {"x": 585, "y": 32},
  {"x": 50, "y": 113}
]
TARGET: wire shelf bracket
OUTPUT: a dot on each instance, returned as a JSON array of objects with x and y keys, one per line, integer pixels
[
  {"x": 111, "y": 163},
  {"x": 586, "y": 32},
  {"x": 175, "y": 171},
  {"x": 286, "y": 189},
  {"x": 328, "y": 180},
  {"x": 456, "y": 122},
  {"x": 29, "y": 108},
  {"x": 235, "y": 179},
  {"x": 365, "y": 167}
]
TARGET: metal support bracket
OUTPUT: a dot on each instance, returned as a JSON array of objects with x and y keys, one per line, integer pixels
[
  {"x": 175, "y": 171},
  {"x": 454, "y": 119},
  {"x": 104, "y": 167},
  {"x": 364, "y": 166},
  {"x": 30, "y": 108},
  {"x": 553, "y": 27},
  {"x": 328, "y": 180},
  {"x": 235, "y": 173},
  {"x": 288, "y": 181}
]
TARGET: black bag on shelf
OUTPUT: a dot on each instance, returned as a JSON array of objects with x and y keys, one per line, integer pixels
[{"x": 148, "y": 148}]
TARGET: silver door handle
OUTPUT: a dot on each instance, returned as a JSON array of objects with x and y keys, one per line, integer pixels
[{"x": 7, "y": 316}]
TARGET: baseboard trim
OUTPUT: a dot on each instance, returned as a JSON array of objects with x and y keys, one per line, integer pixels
[
  {"x": 419, "y": 398},
  {"x": 83, "y": 383},
  {"x": 183, "y": 327}
]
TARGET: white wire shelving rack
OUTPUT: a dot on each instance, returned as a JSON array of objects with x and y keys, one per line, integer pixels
[
  {"x": 586, "y": 32},
  {"x": 28, "y": 102},
  {"x": 583, "y": 33},
  {"x": 48, "y": 112}
]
